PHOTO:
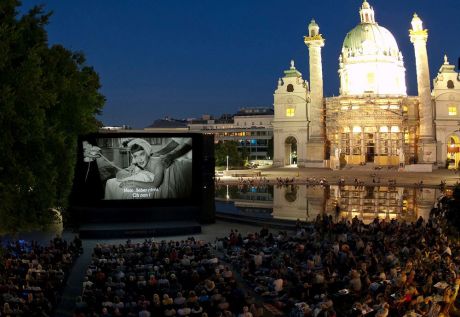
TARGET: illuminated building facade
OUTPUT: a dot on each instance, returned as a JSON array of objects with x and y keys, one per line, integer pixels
[
  {"x": 373, "y": 121},
  {"x": 250, "y": 128}
]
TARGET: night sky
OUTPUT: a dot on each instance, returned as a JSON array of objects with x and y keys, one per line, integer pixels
[{"x": 187, "y": 58}]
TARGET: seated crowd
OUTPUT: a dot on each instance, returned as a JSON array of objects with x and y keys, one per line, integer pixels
[
  {"x": 32, "y": 276},
  {"x": 348, "y": 268},
  {"x": 180, "y": 278},
  {"x": 324, "y": 268}
]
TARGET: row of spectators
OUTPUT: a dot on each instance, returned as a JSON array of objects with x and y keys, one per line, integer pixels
[
  {"x": 175, "y": 278},
  {"x": 348, "y": 268},
  {"x": 32, "y": 276}
]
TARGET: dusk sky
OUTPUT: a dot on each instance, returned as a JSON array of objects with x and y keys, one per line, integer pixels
[{"x": 187, "y": 58}]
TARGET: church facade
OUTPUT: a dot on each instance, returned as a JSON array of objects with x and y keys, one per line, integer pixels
[{"x": 373, "y": 121}]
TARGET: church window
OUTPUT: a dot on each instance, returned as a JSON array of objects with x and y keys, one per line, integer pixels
[
  {"x": 450, "y": 84},
  {"x": 370, "y": 78},
  {"x": 357, "y": 129},
  {"x": 290, "y": 112},
  {"x": 452, "y": 110},
  {"x": 290, "y": 88}
]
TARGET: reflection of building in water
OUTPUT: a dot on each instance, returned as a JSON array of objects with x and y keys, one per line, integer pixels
[
  {"x": 425, "y": 200},
  {"x": 252, "y": 201},
  {"x": 383, "y": 202},
  {"x": 306, "y": 203},
  {"x": 298, "y": 202}
]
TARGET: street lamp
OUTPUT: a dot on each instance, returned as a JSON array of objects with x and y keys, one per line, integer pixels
[{"x": 227, "y": 162}]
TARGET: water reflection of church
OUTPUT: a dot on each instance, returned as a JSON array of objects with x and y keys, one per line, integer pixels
[{"x": 306, "y": 203}]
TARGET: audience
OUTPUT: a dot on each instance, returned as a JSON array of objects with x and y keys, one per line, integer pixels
[
  {"x": 32, "y": 276},
  {"x": 183, "y": 278},
  {"x": 348, "y": 268},
  {"x": 323, "y": 268}
]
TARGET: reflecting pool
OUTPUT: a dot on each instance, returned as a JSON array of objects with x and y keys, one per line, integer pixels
[{"x": 307, "y": 202}]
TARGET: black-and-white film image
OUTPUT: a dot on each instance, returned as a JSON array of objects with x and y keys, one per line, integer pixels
[{"x": 142, "y": 168}]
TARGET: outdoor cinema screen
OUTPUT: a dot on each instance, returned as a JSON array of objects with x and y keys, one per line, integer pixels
[{"x": 138, "y": 168}]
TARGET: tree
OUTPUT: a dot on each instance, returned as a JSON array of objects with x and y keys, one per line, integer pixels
[
  {"x": 230, "y": 148},
  {"x": 48, "y": 96}
]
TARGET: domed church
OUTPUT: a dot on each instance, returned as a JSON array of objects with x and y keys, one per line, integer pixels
[{"x": 373, "y": 121}]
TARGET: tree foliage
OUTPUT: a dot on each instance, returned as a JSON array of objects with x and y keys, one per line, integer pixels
[
  {"x": 230, "y": 148},
  {"x": 48, "y": 96}
]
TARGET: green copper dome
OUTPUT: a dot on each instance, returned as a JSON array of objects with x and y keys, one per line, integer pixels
[{"x": 370, "y": 38}]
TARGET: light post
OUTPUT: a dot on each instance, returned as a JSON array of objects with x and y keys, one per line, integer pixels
[{"x": 227, "y": 162}]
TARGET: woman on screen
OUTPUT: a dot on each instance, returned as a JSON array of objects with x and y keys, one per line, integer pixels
[{"x": 142, "y": 179}]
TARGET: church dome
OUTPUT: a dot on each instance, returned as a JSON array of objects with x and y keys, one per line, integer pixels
[
  {"x": 370, "y": 38},
  {"x": 370, "y": 61}
]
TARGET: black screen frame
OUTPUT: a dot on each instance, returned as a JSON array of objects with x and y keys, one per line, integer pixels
[{"x": 89, "y": 196}]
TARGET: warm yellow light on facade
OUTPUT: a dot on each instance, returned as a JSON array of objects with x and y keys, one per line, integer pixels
[
  {"x": 394, "y": 129},
  {"x": 385, "y": 78},
  {"x": 370, "y": 79},
  {"x": 452, "y": 110},
  {"x": 290, "y": 112}
]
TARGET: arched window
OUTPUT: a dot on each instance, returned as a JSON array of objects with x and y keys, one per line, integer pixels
[
  {"x": 450, "y": 84},
  {"x": 290, "y": 88}
]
